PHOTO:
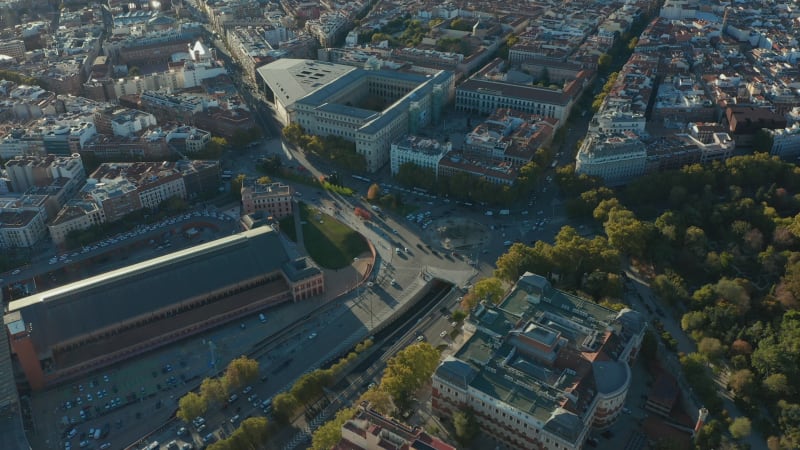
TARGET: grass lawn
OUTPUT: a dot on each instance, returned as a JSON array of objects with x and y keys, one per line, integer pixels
[{"x": 330, "y": 243}]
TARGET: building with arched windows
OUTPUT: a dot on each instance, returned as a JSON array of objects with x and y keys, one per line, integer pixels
[{"x": 69, "y": 331}]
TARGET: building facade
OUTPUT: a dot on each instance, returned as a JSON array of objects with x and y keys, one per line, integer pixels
[
  {"x": 77, "y": 214},
  {"x": 487, "y": 91},
  {"x": 371, "y": 108},
  {"x": 22, "y": 223},
  {"x": 274, "y": 199},
  {"x": 422, "y": 152},
  {"x": 146, "y": 305},
  {"x": 617, "y": 158},
  {"x": 542, "y": 369}
]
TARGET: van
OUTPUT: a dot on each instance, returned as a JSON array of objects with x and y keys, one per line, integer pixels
[
  {"x": 97, "y": 433},
  {"x": 262, "y": 318}
]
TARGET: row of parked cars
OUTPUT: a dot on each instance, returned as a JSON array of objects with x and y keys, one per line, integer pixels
[
  {"x": 86, "y": 437},
  {"x": 138, "y": 231}
]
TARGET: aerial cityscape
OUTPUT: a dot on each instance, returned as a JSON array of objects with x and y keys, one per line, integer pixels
[{"x": 386, "y": 224}]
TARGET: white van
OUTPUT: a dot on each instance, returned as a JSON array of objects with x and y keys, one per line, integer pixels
[
  {"x": 262, "y": 318},
  {"x": 97, "y": 433}
]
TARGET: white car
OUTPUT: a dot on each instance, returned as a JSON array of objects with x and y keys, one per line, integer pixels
[{"x": 443, "y": 334}]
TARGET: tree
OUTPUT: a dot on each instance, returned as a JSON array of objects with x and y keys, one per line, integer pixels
[
  {"x": 626, "y": 232},
  {"x": 742, "y": 382},
  {"x": 490, "y": 289},
  {"x": 310, "y": 386},
  {"x": 190, "y": 406},
  {"x": 283, "y": 407},
  {"x": 710, "y": 348},
  {"x": 408, "y": 371},
  {"x": 465, "y": 425},
  {"x": 379, "y": 400},
  {"x": 777, "y": 385},
  {"x": 469, "y": 301},
  {"x": 254, "y": 431},
  {"x": 213, "y": 391},
  {"x": 603, "y": 62},
  {"x": 709, "y": 435},
  {"x": 240, "y": 372},
  {"x": 264, "y": 180},
  {"x": 740, "y": 427},
  {"x": 374, "y": 192},
  {"x": 330, "y": 433},
  {"x": 292, "y": 133},
  {"x": 670, "y": 287}
]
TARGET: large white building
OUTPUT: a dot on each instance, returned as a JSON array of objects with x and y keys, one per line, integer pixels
[
  {"x": 786, "y": 141},
  {"x": 489, "y": 89},
  {"x": 200, "y": 66},
  {"x": 617, "y": 158},
  {"x": 77, "y": 214},
  {"x": 542, "y": 369},
  {"x": 22, "y": 221},
  {"x": 26, "y": 172},
  {"x": 613, "y": 121},
  {"x": 371, "y": 108},
  {"x": 423, "y": 152}
]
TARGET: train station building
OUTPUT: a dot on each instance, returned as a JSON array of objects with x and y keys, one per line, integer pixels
[{"x": 75, "y": 329}]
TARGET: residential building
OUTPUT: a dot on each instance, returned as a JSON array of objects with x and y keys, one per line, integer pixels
[
  {"x": 14, "y": 48},
  {"x": 745, "y": 121},
  {"x": 541, "y": 369},
  {"x": 22, "y": 222},
  {"x": 509, "y": 136},
  {"x": 21, "y": 142},
  {"x": 26, "y": 172},
  {"x": 785, "y": 141},
  {"x": 617, "y": 158},
  {"x": 494, "y": 172},
  {"x": 188, "y": 139},
  {"x": 490, "y": 89},
  {"x": 116, "y": 197},
  {"x": 422, "y": 152},
  {"x": 77, "y": 214},
  {"x": 369, "y": 430},
  {"x": 274, "y": 199},
  {"x": 615, "y": 121}
]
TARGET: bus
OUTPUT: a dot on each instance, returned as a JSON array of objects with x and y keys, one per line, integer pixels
[{"x": 227, "y": 175}]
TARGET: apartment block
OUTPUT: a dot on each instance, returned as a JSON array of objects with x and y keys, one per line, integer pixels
[
  {"x": 422, "y": 152},
  {"x": 615, "y": 157},
  {"x": 274, "y": 199}
]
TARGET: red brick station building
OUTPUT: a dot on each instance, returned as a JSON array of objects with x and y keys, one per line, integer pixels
[{"x": 67, "y": 332}]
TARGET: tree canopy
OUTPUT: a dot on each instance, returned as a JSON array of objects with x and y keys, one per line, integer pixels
[{"x": 408, "y": 371}]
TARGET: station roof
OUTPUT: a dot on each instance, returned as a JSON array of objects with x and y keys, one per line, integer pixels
[{"x": 101, "y": 301}]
